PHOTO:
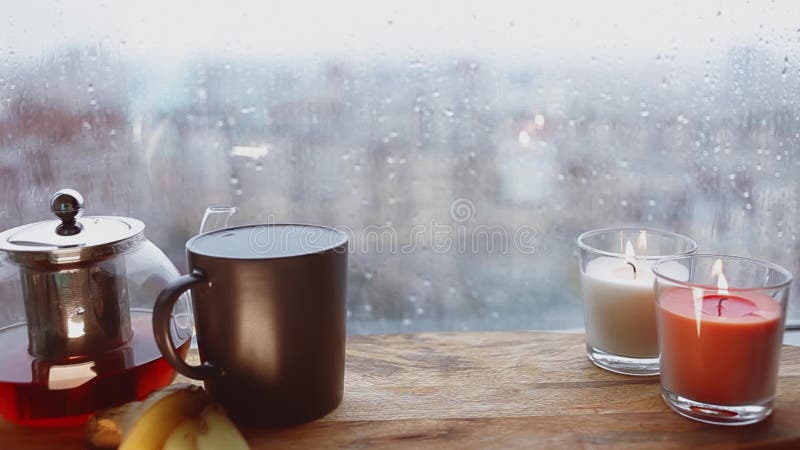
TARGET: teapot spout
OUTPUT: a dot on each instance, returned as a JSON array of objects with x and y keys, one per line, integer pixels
[{"x": 216, "y": 217}]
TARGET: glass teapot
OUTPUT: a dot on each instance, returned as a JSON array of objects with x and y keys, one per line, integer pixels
[{"x": 76, "y": 297}]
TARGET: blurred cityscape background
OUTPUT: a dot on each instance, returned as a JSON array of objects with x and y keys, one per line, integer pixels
[{"x": 562, "y": 118}]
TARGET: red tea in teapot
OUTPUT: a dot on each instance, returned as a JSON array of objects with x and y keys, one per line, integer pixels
[{"x": 42, "y": 393}]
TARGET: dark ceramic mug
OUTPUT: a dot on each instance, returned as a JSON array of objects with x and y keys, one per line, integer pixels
[{"x": 269, "y": 310}]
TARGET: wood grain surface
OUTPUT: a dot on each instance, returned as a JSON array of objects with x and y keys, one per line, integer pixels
[{"x": 494, "y": 390}]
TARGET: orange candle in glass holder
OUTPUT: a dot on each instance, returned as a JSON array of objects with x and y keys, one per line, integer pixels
[{"x": 719, "y": 347}]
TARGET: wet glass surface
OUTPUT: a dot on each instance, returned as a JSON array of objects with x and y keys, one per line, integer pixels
[{"x": 462, "y": 147}]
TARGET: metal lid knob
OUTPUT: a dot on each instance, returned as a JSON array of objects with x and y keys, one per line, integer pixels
[
  {"x": 72, "y": 238},
  {"x": 67, "y": 205}
]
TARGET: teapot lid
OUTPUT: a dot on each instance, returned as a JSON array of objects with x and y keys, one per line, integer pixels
[{"x": 72, "y": 238}]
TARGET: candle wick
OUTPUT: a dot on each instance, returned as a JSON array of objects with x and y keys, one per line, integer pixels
[
  {"x": 719, "y": 306},
  {"x": 632, "y": 267}
]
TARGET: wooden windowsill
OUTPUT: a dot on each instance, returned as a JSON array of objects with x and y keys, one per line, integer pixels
[{"x": 494, "y": 389}]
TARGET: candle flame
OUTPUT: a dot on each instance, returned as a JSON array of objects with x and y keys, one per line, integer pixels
[
  {"x": 630, "y": 253},
  {"x": 722, "y": 282},
  {"x": 641, "y": 242},
  {"x": 630, "y": 257}
]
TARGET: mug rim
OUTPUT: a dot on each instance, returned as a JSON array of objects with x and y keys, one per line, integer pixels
[{"x": 340, "y": 246}]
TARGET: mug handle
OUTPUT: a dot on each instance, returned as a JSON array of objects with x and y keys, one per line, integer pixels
[{"x": 162, "y": 314}]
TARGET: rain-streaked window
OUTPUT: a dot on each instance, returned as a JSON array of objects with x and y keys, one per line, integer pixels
[{"x": 463, "y": 145}]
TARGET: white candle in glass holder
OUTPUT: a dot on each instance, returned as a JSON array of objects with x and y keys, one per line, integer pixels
[{"x": 619, "y": 298}]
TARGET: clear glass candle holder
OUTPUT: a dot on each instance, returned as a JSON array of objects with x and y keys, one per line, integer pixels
[
  {"x": 720, "y": 329},
  {"x": 618, "y": 294}
]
